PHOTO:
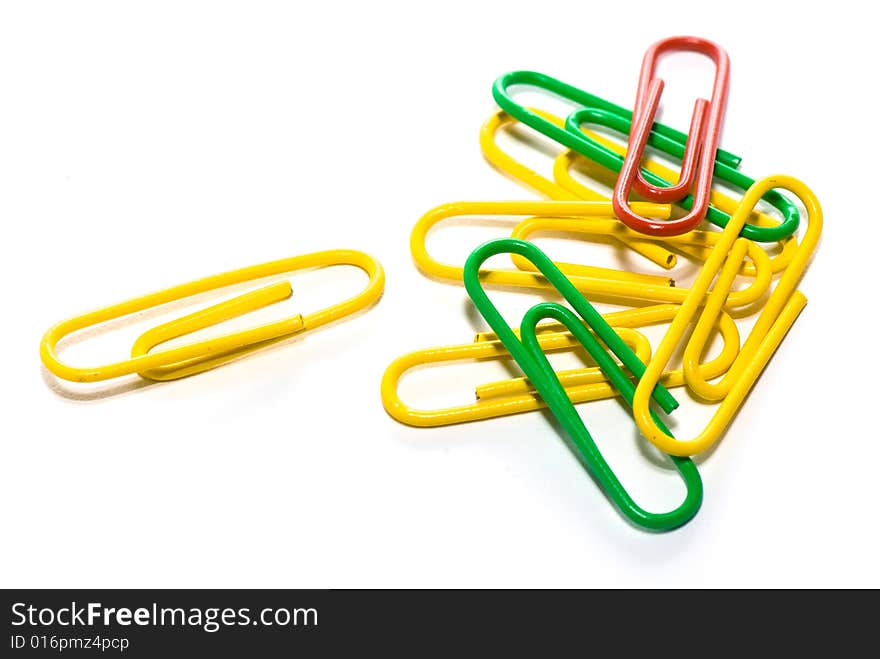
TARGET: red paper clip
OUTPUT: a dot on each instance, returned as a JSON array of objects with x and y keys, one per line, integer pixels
[{"x": 702, "y": 141}]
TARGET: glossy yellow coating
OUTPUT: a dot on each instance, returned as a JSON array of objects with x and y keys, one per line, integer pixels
[
  {"x": 776, "y": 318},
  {"x": 697, "y": 239},
  {"x": 515, "y": 396},
  {"x": 202, "y": 355},
  {"x": 565, "y": 187},
  {"x": 199, "y": 320},
  {"x": 572, "y": 160},
  {"x": 576, "y": 217},
  {"x": 763, "y": 325},
  {"x": 592, "y": 276},
  {"x": 509, "y": 166}
]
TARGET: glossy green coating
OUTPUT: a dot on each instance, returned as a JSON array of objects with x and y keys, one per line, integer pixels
[
  {"x": 576, "y": 95},
  {"x": 599, "y": 111},
  {"x": 531, "y": 359},
  {"x": 613, "y": 161}
]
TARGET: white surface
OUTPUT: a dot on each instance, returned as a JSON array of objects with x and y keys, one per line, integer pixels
[{"x": 143, "y": 147}]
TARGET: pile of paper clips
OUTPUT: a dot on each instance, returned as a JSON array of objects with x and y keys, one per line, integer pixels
[
  {"x": 654, "y": 229},
  {"x": 662, "y": 226}
]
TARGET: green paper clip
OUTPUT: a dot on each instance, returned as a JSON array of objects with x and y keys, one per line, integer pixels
[{"x": 531, "y": 359}]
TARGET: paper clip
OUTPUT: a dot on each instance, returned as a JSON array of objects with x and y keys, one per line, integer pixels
[
  {"x": 207, "y": 354},
  {"x": 517, "y": 395},
  {"x": 776, "y": 318},
  {"x": 591, "y": 278},
  {"x": 584, "y": 217},
  {"x": 526, "y": 351},
  {"x": 699, "y": 155},
  {"x": 662, "y": 137}
]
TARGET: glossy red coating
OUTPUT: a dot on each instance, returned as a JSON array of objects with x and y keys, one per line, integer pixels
[{"x": 702, "y": 142}]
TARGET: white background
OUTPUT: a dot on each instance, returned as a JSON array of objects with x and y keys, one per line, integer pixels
[{"x": 145, "y": 145}]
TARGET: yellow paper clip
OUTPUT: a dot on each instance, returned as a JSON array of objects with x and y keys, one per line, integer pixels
[
  {"x": 579, "y": 217},
  {"x": 516, "y": 395},
  {"x": 776, "y": 318},
  {"x": 207, "y": 354}
]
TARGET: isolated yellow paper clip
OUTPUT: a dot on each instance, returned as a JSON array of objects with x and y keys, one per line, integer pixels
[
  {"x": 207, "y": 354},
  {"x": 516, "y": 395},
  {"x": 776, "y": 318}
]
